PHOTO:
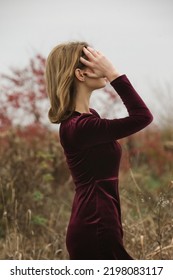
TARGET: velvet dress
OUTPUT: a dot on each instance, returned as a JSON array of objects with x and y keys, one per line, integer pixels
[{"x": 93, "y": 157}]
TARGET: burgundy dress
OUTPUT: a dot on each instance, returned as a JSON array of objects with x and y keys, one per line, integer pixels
[{"x": 93, "y": 156}]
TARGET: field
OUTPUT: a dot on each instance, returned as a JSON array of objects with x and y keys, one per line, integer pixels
[{"x": 36, "y": 193}]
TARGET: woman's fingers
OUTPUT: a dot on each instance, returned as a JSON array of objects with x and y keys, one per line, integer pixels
[
  {"x": 86, "y": 62},
  {"x": 91, "y": 55},
  {"x": 92, "y": 51}
]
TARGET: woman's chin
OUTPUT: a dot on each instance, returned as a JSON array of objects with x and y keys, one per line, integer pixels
[{"x": 98, "y": 83}]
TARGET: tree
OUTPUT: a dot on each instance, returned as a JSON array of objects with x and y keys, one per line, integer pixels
[{"x": 23, "y": 95}]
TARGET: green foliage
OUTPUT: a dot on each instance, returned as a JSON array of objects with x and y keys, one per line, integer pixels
[
  {"x": 39, "y": 220},
  {"x": 38, "y": 196},
  {"x": 47, "y": 177}
]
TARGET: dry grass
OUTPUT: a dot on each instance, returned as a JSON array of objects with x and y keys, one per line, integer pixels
[
  {"x": 36, "y": 193},
  {"x": 148, "y": 221}
]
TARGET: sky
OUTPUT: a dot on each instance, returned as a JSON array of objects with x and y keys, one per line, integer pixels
[{"x": 136, "y": 35}]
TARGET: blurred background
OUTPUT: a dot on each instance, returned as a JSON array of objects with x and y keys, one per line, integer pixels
[{"x": 137, "y": 37}]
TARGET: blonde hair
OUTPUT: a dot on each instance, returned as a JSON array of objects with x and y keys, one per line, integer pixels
[{"x": 60, "y": 79}]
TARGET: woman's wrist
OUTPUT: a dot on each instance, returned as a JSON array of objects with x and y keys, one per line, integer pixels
[{"x": 112, "y": 76}]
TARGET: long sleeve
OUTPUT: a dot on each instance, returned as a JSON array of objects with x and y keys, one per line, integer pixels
[{"x": 92, "y": 130}]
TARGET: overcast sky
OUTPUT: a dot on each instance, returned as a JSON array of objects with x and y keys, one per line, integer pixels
[{"x": 135, "y": 34}]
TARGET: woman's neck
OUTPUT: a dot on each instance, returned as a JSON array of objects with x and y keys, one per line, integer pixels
[{"x": 82, "y": 100}]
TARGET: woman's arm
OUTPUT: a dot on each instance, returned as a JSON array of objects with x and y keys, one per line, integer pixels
[{"x": 88, "y": 130}]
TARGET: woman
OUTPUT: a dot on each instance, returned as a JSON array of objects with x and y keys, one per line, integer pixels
[{"x": 73, "y": 71}]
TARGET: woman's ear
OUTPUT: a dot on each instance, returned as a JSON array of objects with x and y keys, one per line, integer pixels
[{"x": 79, "y": 73}]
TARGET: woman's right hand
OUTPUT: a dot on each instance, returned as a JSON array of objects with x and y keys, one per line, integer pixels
[{"x": 99, "y": 64}]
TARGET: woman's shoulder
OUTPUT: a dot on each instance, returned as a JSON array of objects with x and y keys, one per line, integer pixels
[
  {"x": 69, "y": 127},
  {"x": 77, "y": 115},
  {"x": 94, "y": 112}
]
